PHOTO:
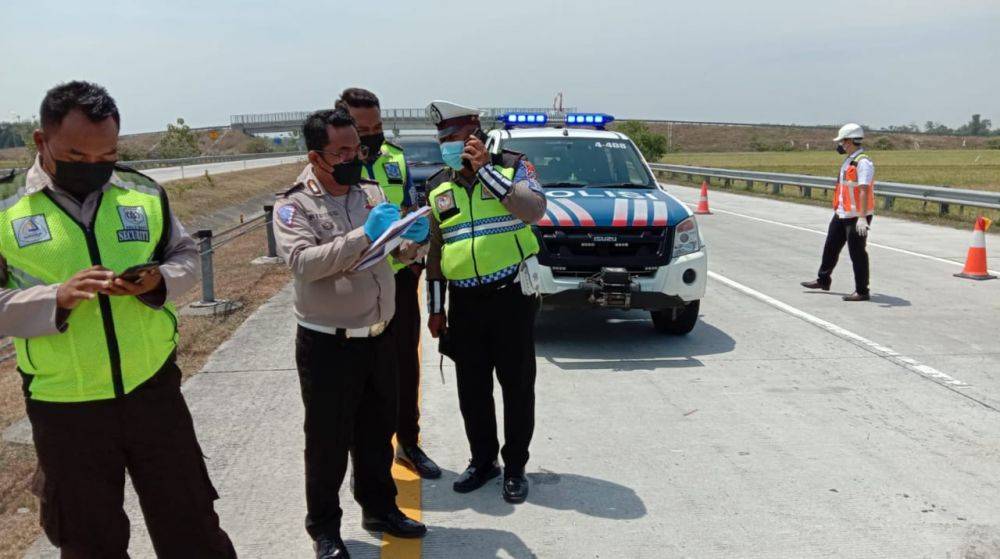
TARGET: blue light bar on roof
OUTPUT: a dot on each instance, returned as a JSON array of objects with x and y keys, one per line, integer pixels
[
  {"x": 511, "y": 120},
  {"x": 597, "y": 120}
]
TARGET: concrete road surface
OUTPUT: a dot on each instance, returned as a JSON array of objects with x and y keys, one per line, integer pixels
[
  {"x": 189, "y": 171},
  {"x": 787, "y": 424}
]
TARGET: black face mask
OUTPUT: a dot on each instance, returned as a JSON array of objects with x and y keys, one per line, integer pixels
[
  {"x": 374, "y": 144},
  {"x": 81, "y": 178},
  {"x": 840, "y": 149},
  {"x": 347, "y": 173}
]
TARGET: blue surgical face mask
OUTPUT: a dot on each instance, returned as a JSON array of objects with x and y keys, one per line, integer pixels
[{"x": 451, "y": 152}]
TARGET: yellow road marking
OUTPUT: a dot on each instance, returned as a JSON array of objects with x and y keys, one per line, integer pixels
[{"x": 407, "y": 498}]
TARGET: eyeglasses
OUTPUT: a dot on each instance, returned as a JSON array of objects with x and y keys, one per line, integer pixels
[{"x": 346, "y": 154}]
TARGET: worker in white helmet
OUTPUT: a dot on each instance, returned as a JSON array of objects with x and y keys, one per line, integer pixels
[{"x": 854, "y": 206}]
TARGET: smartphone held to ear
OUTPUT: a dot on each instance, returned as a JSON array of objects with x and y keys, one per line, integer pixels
[{"x": 136, "y": 273}]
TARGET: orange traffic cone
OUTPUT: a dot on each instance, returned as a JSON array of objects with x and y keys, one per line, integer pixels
[
  {"x": 703, "y": 201},
  {"x": 975, "y": 262}
]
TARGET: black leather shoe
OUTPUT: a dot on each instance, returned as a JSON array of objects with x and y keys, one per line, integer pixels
[
  {"x": 330, "y": 547},
  {"x": 815, "y": 285},
  {"x": 857, "y": 297},
  {"x": 515, "y": 489},
  {"x": 414, "y": 458},
  {"x": 395, "y": 524},
  {"x": 475, "y": 477}
]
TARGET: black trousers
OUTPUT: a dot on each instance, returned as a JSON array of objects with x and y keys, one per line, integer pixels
[
  {"x": 843, "y": 231},
  {"x": 407, "y": 338},
  {"x": 495, "y": 330},
  {"x": 349, "y": 391},
  {"x": 84, "y": 450}
]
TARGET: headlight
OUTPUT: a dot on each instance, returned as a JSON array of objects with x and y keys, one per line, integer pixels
[{"x": 686, "y": 239}]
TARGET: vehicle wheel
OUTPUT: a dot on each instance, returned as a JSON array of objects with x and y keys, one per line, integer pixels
[{"x": 677, "y": 322}]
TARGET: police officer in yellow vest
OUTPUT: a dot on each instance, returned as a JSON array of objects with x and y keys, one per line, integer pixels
[
  {"x": 95, "y": 348},
  {"x": 854, "y": 207},
  {"x": 483, "y": 253},
  {"x": 387, "y": 166}
]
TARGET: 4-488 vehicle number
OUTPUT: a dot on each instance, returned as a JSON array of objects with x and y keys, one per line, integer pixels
[{"x": 611, "y": 145}]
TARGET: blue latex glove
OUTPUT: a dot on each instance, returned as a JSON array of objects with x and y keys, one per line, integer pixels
[
  {"x": 380, "y": 219},
  {"x": 419, "y": 230}
]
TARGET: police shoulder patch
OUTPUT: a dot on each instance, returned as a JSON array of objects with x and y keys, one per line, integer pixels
[{"x": 286, "y": 214}]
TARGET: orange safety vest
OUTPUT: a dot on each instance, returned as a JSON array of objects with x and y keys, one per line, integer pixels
[{"x": 848, "y": 191}]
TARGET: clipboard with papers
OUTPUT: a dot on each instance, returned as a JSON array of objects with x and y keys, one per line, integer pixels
[{"x": 388, "y": 241}]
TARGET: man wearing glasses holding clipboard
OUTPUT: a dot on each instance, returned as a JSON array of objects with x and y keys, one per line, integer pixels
[{"x": 324, "y": 225}]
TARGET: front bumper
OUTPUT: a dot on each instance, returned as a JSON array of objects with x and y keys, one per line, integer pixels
[{"x": 665, "y": 289}]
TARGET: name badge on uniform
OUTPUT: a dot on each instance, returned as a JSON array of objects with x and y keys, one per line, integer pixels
[
  {"x": 445, "y": 204},
  {"x": 31, "y": 230},
  {"x": 135, "y": 225},
  {"x": 393, "y": 172}
]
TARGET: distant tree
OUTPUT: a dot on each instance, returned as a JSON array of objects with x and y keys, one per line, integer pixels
[
  {"x": 977, "y": 126},
  {"x": 178, "y": 141},
  {"x": 904, "y": 128},
  {"x": 883, "y": 143},
  {"x": 652, "y": 145},
  {"x": 932, "y": 127}
]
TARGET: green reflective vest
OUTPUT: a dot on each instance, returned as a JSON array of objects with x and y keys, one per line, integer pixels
[
  {"x": 112, "y": 344},
  {"x": 483, "y": 242},
  {"x": 390, "y": 173}
]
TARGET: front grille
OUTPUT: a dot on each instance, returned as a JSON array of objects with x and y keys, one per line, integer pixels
[{"x": 584, "y": 251}]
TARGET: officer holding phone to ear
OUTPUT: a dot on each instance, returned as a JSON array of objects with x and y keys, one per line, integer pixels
[{"x": 481, "y": 246}]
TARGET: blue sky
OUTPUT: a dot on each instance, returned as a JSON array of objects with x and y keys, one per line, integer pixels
[{"x": 781, "y": 61}]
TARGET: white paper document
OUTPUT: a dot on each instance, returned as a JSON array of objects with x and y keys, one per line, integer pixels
[{"x": 389, "y": 240}]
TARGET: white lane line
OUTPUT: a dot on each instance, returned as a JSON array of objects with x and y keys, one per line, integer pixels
[
  {"x": 845, "y": 334},
  {"x": 715, "y": 209}
]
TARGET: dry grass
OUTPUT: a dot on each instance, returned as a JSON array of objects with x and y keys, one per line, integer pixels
[
  {"x": 235, "y": 279},
  {"x": 195, "y": 197}
]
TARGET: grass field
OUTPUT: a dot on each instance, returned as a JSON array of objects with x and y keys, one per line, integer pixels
[{"x": 978, "y": 169}]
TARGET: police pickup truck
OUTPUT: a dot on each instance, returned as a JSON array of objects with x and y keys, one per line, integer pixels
[{"x": 611, "y": 236}]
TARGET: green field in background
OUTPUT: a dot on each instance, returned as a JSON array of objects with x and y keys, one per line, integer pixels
[{"x": 979, "y": 169}]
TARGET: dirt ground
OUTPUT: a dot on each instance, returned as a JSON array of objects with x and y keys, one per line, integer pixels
[{"x": 235, "y": 279}]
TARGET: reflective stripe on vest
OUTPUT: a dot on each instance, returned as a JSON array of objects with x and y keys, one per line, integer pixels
[
  {"x": 483, "y": 242},
  {"x": 389, "y": 171},
  {"x": 112, "y": 344}
]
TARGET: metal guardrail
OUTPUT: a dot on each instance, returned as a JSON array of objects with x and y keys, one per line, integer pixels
[
  {"x": 209, "y": 242},
  {"x": 888, "y": 191}
]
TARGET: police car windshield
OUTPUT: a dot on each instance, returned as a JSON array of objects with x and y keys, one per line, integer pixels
[
  {"x": 584, "y": 162},
  {"x": 421, "y": 151}
]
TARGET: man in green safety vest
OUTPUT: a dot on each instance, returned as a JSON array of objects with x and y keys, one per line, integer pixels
[
  {"x": 482, "y": 251},
  {"x": 96, "y": 346},
  {"x": 387, "y": 166}
]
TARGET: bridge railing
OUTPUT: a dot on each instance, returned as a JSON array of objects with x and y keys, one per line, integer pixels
[
  {"x": 405, "y": 114},
  {"x": 887, "y": 191}
]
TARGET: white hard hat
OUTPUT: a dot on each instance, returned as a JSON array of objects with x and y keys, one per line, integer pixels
[{"x": 850, "y": 131}]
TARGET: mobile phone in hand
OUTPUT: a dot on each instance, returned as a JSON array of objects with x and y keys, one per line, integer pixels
[
  {"x": 481, "y": 136},
  {"x": 135, "y": 273}
]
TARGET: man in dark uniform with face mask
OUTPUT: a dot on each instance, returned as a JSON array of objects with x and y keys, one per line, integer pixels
[
  {"x": 95, "y": 347},
  {"x": 481, "y": 252},
  {"x": 344, "y": 343},
  {"x": 386, "y": 165}
]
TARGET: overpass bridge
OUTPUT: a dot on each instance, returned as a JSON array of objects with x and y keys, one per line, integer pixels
[{"x": 395, "y": 120}]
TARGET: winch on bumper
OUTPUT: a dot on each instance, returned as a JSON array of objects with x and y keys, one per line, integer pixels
[{"x": 674, "y": 285}]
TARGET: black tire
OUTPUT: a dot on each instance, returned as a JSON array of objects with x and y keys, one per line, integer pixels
[{"x": 686, "y": 317}]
